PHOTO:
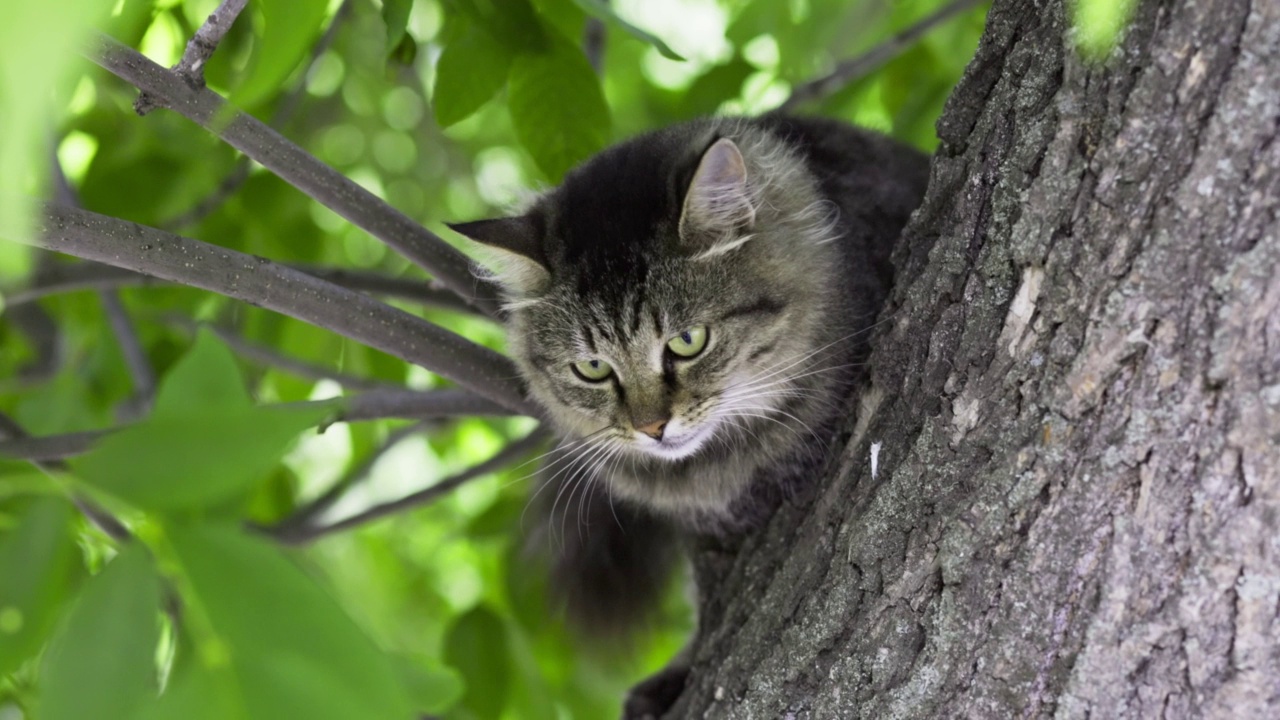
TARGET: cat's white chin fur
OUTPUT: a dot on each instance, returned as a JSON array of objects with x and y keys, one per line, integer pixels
[{"x": 675, "y": 445}]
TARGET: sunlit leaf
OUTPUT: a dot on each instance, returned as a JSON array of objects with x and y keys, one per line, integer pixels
[
  {"x": 434, "y": 688},
  {"x": 395, "y": 13},
  {"x": 557, "y": 108},
  {"x": 292, "y": 652},
  {"x": 471, "y": 70},
  {"x": 203, "y": 445},
  {"x": 289, "y": 27},
  {"x": 101, "y": 665}
]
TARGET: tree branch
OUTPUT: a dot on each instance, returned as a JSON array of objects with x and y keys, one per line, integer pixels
[
  {"x": 198, "y": 51},
  {"x": 504, "y": 457},
  {"x": 371, "y": 405},
  {"x": 300, "y": 169},
  {"x": 304, "y": 516},
  {"x": 135, "y": 357},
  {"x": 73, "y": 277},
  {"x": 261, "y": 282},
  {"x": 848, "y": 71}
]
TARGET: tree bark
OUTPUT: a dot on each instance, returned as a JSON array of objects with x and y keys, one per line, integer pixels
[{"x": 1075, "y": 408}]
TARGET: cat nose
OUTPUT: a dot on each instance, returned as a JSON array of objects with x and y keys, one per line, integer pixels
[{"x": 654, "y": 429}]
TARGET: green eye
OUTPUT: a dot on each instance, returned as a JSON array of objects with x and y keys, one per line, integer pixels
[
  {"x": 592, "y": 370},
  {"x": 689, "y": 343}
]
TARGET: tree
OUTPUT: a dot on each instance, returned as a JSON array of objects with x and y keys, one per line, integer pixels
[{"x": 1059, "y": 496}]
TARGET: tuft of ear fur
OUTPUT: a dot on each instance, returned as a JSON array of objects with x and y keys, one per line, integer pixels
[
  {"x": 515, "y": 255},
  {"x": 718, "y": 207}
]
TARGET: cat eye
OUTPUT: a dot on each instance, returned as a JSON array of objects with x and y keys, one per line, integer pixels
[
  {"x": 592, "y": 370},
  {"x": 689, "y": 343}
]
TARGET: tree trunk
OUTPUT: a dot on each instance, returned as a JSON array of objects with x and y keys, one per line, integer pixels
[{"x": 1077, "y": 429}]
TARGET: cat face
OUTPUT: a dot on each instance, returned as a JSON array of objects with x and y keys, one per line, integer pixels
[
  {"x": 663, "y": 368},
  {"x": 664, "y": 297}
]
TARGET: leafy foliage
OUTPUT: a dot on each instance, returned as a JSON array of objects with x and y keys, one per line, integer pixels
[{"x": 449, "y": 110}]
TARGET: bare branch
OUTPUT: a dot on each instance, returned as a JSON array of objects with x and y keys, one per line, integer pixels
[
  {"x": 304, "y": 516},
  {"x": 371, "y": 405},
  {"x": 593, "y": 40},
  {"x": 504, "y": 457},
  {"x": 73, "y": 277},
  {"x": 268, "y": 356},
  {"x": 302, "y": 170},
  {"x": 135, "y": 357},
  {"x": 199, "y": 49},
  {"x": 261, "y": 282},
  {"x": 418, "y": 405},
  {"x": 853, "y": 69}
]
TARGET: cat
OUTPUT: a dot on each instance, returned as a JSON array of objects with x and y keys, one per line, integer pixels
[{"x": 691, "y": 309}]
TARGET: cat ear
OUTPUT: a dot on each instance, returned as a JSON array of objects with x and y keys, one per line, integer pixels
[
  {"x": 516, "y": 256},
  {"x": 718, "y": 204}
]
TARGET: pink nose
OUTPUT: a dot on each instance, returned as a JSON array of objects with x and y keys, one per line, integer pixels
[{"x": 654, "y": 429}]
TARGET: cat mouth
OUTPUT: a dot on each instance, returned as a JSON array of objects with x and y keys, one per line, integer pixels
[{"x": 675, "y": 447}]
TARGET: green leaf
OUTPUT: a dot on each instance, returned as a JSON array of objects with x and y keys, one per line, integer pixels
[
  {"x": 434, "y": 688},
  {"x": 477, "y": 647},
  {"x": 472, "y": 68},
  {"x": 511, "y": 22},
  {"x": 395, "y": 13},
  {"x": 289, "y": 29},
  {"x": 204, "y": 444},
  {"x": 558, "y": 110},
  {"x": 102, "y": 663},
  {"x": 201, "y": 459},
  {"x": 602, "y": 10},
  {"x": 37, "y": 558},
  {"x": 280, "y": 641},
  {"x": 715, "y": 86},
  {"x": 207, "y": 378}
]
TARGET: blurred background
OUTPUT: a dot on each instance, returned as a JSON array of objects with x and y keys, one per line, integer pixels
[{"x": 450, "y": 111}]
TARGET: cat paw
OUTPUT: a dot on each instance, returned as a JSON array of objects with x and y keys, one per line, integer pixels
[{"x": 654, "y": 696}]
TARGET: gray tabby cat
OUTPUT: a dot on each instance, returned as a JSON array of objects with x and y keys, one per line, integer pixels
[{"x": 690, "y": 307}]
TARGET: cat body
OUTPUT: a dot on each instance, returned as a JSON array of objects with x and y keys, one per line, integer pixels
[{"x": 691, "y": 309}]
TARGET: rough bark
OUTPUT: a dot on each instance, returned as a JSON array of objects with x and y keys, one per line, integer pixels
[{"x": 1078, "y": 414}]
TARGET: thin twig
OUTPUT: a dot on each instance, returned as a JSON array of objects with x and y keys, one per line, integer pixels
[
  {"x": 593, "y": 40},
  {"x": 283, "y": 113},
  {"x": 199, "y": 49},
  {"x": 269, "y": 356},
  {"x": 853, "y": 69},
  {"x": 300, "y": 169},
  {"x": 504, "y": 457},
  {"x": 12, "y": 432},
  {"x": 306, "y": 514},
  {"x": 135, "y": 357},
  {"x": 73, "y": 277},
  {"x": 275, "y": 287},
  {"x": 371, "y": 405}
]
